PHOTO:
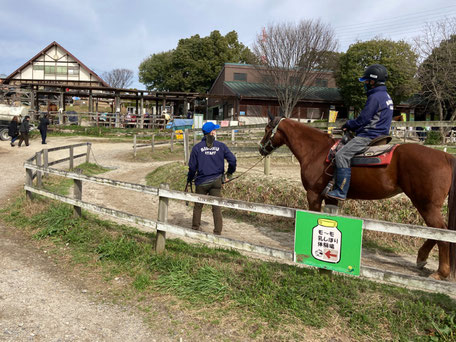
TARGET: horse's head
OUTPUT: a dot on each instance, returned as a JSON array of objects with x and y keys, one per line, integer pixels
[{"x": 272, "y": 137}]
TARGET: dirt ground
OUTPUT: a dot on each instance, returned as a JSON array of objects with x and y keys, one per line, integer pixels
[{"x": 41, "y": 302}]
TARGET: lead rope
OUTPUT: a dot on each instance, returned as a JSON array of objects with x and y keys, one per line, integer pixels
[{"x": 232, "y": 179}]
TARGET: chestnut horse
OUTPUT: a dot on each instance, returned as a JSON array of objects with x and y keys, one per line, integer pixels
[{"x": 424, "y": 174}]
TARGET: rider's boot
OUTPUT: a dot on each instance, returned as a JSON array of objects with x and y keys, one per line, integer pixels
[{"x": 340, "y": 190}]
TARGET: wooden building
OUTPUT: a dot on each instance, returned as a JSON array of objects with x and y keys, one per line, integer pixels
[
  {"x": 238, "y": 94},
  {"x": 57, "y": 66}
]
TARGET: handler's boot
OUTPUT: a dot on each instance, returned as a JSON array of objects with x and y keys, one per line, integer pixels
[{"x": 342, "y": 184}]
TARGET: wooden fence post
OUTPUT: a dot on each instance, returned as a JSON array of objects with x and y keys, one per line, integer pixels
[
  {"x": 29, "y": 182},
  {"x": 172, "y": 140},
  {"x": 45, "y": 160},
  {"x": 194, "y": 138},
  {"x": 233, "y": 139},
  {"x": 89, "y": 149},
  {"x": 71, "y": 157},
  {"x": 186, "y": 147},
  {"x": 39, "y": 180},
  {"x": 153, "y": 142},
  {"x": 331, "y": 209},
  {"x": 162, "y": 217},
  {"x": 77, "y": 191},
  {"x": 267, "y": 165},
  {"x": 134, "y": 145}
]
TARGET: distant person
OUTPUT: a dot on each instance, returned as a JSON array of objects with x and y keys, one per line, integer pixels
[
  {"x": 167, "y": 117},
  {"x": 43, "y": 126},
  {"x": 13, "y": 130},
  {"x": 24, "y": 130},
  {"x": 189, "y": 115},
  {"x": 207, "y": 162}
]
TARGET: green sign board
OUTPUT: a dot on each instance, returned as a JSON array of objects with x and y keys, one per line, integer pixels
[{"x": 328, "y": 242}]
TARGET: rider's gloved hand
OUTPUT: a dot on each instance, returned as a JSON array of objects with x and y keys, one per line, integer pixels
[{"x": 344, "y": 127}]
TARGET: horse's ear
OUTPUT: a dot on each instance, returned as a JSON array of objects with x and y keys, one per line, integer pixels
[{"x": 271, "y": 117}]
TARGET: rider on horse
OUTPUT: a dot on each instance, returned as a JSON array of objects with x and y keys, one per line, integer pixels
[{"x": 374, "y": 121}]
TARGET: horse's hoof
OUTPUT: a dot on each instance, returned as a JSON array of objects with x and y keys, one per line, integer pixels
[
  {"x": 421, "y": 264},
  {"x": 437, "y": 276}
]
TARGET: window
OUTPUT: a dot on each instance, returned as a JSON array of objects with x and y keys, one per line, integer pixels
[
  {"x": 49, "y": 70},
  {"x": 61, "y": 70},
  {"x": 238, "y": 76},
  {"x": 321, "y": 82},
  {"x": 38, "y": 67},
  {"x": 73, "y": 70}
]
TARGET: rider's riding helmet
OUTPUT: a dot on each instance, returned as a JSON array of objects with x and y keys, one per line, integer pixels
[{"x": 375, "y": 72}]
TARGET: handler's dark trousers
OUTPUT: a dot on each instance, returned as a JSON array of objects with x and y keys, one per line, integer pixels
[
  {"x": 43, "y": 133},
  {"x": 24, "y": 136},
  {"x": 213, "y": 189}
]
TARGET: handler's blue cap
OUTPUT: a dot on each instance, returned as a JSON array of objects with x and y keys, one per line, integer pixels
[{"x": 208, "y": 127}]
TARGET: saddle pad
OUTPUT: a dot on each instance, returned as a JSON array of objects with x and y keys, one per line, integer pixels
[{"x": 372, "y": 156}]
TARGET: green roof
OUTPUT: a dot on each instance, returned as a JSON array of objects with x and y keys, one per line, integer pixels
[{"x": 259, "y": 90}]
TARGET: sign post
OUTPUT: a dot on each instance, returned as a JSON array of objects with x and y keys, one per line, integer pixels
[{"x": 329, "y": 242}]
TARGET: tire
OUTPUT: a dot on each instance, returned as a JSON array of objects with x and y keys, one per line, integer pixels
[{"x": 4, "y": 135}]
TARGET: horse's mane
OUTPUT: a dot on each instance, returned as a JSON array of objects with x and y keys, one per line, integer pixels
[{"x": 309, "y": 130}]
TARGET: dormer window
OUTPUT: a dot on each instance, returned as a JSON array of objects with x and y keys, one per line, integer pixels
[{"x": 238, "y": 76}]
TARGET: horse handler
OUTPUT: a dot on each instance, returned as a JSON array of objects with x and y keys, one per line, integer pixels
[{"x": 207, "y": 162}]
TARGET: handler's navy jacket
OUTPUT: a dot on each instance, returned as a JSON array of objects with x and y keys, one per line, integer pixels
[
  {"x": 375, "y": 119},
  {"x": 208, "y": 163}
]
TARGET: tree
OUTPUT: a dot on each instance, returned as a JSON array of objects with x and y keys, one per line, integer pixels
[
  {"x": 155, "y": 71},
  {"x": 397, "y": 57},
  {"x": 291, "y": 57},
  {"x": 118, "y": 78},
  {"x": 194, "y": 64},
  {"x": 437, "y": 72}
]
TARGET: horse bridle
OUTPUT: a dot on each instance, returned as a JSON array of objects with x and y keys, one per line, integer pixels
[{"x": 268, "y": 147}]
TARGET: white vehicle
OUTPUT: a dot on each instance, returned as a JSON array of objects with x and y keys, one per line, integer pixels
[{"x": 7, "y": 113}]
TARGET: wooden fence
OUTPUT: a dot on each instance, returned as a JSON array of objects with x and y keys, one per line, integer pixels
[{"x": 33, "y": 166}]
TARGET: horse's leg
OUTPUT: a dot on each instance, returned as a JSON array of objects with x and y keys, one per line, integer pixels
[
  {"x": 433, "y": 218},
  {"x": 314, "y": 200},
  {"x": 423, "y": 253}
]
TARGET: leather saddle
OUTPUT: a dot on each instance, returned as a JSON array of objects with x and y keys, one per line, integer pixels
[{"x": 378, "y": 152}]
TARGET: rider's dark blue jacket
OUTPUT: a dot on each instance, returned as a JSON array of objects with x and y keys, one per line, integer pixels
[
  {"x": 375, "y": 119},
  {"x": 208, "y": 163}
]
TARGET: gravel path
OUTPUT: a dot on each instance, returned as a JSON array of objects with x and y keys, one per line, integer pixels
[{"x": 40, "y": 302}]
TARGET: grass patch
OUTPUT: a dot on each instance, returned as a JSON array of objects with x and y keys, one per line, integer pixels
[
  {"x": 162, "y": 153},
  {"x": 62, "y": 186},
  {"x": 276, "y": 298}
]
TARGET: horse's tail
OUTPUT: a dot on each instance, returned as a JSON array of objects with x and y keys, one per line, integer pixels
[{"x": 452, "y": 217}]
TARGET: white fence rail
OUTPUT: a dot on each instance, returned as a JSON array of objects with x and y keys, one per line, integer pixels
[{"x": 161, "y": 225}]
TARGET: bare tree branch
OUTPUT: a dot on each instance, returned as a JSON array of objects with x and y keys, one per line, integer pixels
[
  {"x": 436, "y": 48},
  {"x": 291, "y": 58},
  {"x": 119, "y": 78}
]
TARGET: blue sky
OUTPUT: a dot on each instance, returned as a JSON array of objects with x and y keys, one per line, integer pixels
[{"x": 120, "y": 34}]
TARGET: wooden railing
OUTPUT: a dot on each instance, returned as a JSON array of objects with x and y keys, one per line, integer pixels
[{"x": 162, "y": 226}]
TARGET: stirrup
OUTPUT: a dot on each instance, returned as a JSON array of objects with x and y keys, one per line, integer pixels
[{"x": 328, "y": 188}]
